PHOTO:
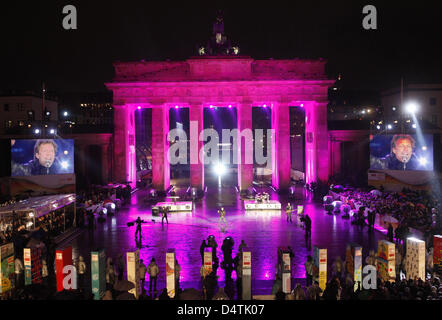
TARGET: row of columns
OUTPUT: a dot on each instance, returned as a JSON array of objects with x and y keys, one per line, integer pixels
[{"x": 316, "y": 145}]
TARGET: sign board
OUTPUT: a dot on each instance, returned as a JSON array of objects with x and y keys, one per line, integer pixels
[
  {"x": 133, "y": 260},
  {"x": 98, "y": 276},
  {"x": 170, "y": 272},
  {"x": 63, "y": 257},
  {"x": 208, "y": 261},
  {"x": 7, "y": 268}
]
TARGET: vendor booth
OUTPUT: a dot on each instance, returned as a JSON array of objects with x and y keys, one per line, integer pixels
[{"x": 54, "y": 214}]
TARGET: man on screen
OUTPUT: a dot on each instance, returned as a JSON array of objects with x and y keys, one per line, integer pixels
[
  {"x": 44, "y": 161},
  {"x": 401, "y": 156}
]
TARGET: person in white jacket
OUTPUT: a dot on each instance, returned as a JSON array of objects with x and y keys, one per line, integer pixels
[
  {"x": 81, "y": 269},
  {"x": 153, "y": 272},
  {"x": 18, "y": 272},
  {"x": 44, "y": 272}
]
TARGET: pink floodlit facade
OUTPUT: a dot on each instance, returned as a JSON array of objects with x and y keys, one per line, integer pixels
[{"x": 240, "y": 82}]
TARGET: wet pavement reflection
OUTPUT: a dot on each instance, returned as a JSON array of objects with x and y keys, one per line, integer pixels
[{"x": 263, "y": 232}]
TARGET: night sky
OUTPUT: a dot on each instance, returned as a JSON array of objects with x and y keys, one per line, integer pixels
[{"x": 34, "y": 47}]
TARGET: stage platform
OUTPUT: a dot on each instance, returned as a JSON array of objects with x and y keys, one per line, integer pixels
[
  {"x": 176, "y": 206},
  {"x": 271, "y": 205}
]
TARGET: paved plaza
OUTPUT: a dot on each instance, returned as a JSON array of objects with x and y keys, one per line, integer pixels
[{"x": 262, "y": 231}]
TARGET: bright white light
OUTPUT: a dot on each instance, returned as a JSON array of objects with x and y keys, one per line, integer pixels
[
  {"x": 423, "y": 161},
  {"x": 113, "y": 206},
  {"x": 104, "y": 210},
  {"x": 411, "y": 107},
  {"x": 65, "y": 152},
  {"x": 65, "y": 113},
  {"x": 37, "y": 131},
  {"x": 394, "y": 108},
  {"x": 29, "y": 224},
  {"x": 389, "y": 126},
  {"x": 219, "y": 169},
  {"x": 64, "y": 164},
  {"x": 424, "y": 148},
  {"x": 54, "y": 205},
  {"x": 363, "y": 111},
  {"x": 31, "y": 214},
  {"x": 52, "y": 131},
  {"x": 378, "y": 127},
  {"x": 414, "y": 126}
]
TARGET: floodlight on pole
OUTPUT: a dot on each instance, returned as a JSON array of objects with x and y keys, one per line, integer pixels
[{"x": 411, "y": 107}]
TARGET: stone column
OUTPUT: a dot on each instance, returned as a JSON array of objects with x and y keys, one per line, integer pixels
[
  {"x": 160, "y": 147},
  {"x": 245, "y": 148},
  {"x": 317, "y": 157},
  {"x": 335, "y": 154},
  {"x": 196, "y": 118},
  {"x": 121, "y": 143},
  {"x": 281, "y": 158},
  {"x": 323, "y": 155},
  {"x": 104, "y": 164}
]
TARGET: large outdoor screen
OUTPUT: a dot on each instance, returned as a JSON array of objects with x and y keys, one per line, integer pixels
[
  {"x": 401, "y": 152},
  {"x": 42, "y": 157}
]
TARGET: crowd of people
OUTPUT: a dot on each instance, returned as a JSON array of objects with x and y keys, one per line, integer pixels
[{"x": 412, "y": 209}]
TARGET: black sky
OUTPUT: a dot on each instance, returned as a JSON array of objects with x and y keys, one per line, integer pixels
[{"x": 34, "y": 47}]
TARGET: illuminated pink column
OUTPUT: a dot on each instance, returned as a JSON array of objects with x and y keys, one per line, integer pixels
[
  {"x": 160, "y": 147},
  {"x": 316, "y": 137},
  {"x": 124, "y": 145},
  {"x": 196, "y": 116},
  {"x": 281, "y": 146},
  {"x": 245, "y": 150}
]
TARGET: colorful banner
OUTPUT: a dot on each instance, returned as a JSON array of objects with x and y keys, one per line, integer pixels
[
  {"x": 386, "y": 250},
  {"x": 286, "y": 273},
  {"x": 246, "y": 274},
  {"x": 133, "y": 261},
  {"x": 415, "y": 259},
  {"x": 320, "y": 262},
  {"x": 322, "y": 268},
  {"x": 98, "y": 273},
  {"x": 63, "y": 258},
  {"x": 207, "y": 261},
  {"x": 386, "y": 269},
  {"x": 33, "y": 265},
  {"x": 437, "y": 252},
  {"x": 357, "y": 251},
  {"x": 170, "y": 272},
  {"x": 7, "y": 268},
  {"x": 353, "y": 259}
]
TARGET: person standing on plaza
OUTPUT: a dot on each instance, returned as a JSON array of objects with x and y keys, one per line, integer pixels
[
  {"x": 44, "y": 272},
  {"x": 288, "y": 211},
  {"x": 142, "y": 269},
  {"x": 153, "y": 272},
  {"x": 202, "y": 247},
  {"x": 19, "y": 269},
  {"x": 390, "y": 233},
  {"x": 120, "y": 267},
  {"x": 81, "y": 271},
  {"x": 308, "y": 226},
  {"x": 164, "y": 211},
  {"x": 222, "y": 217},
  {"x": 309, "y": 271},
  {"x": 177, "y": 275},
  {"x": 110, "y": 274},
  {"x": 138, "y": 231},
  {"x": 242, "y": 245}
]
